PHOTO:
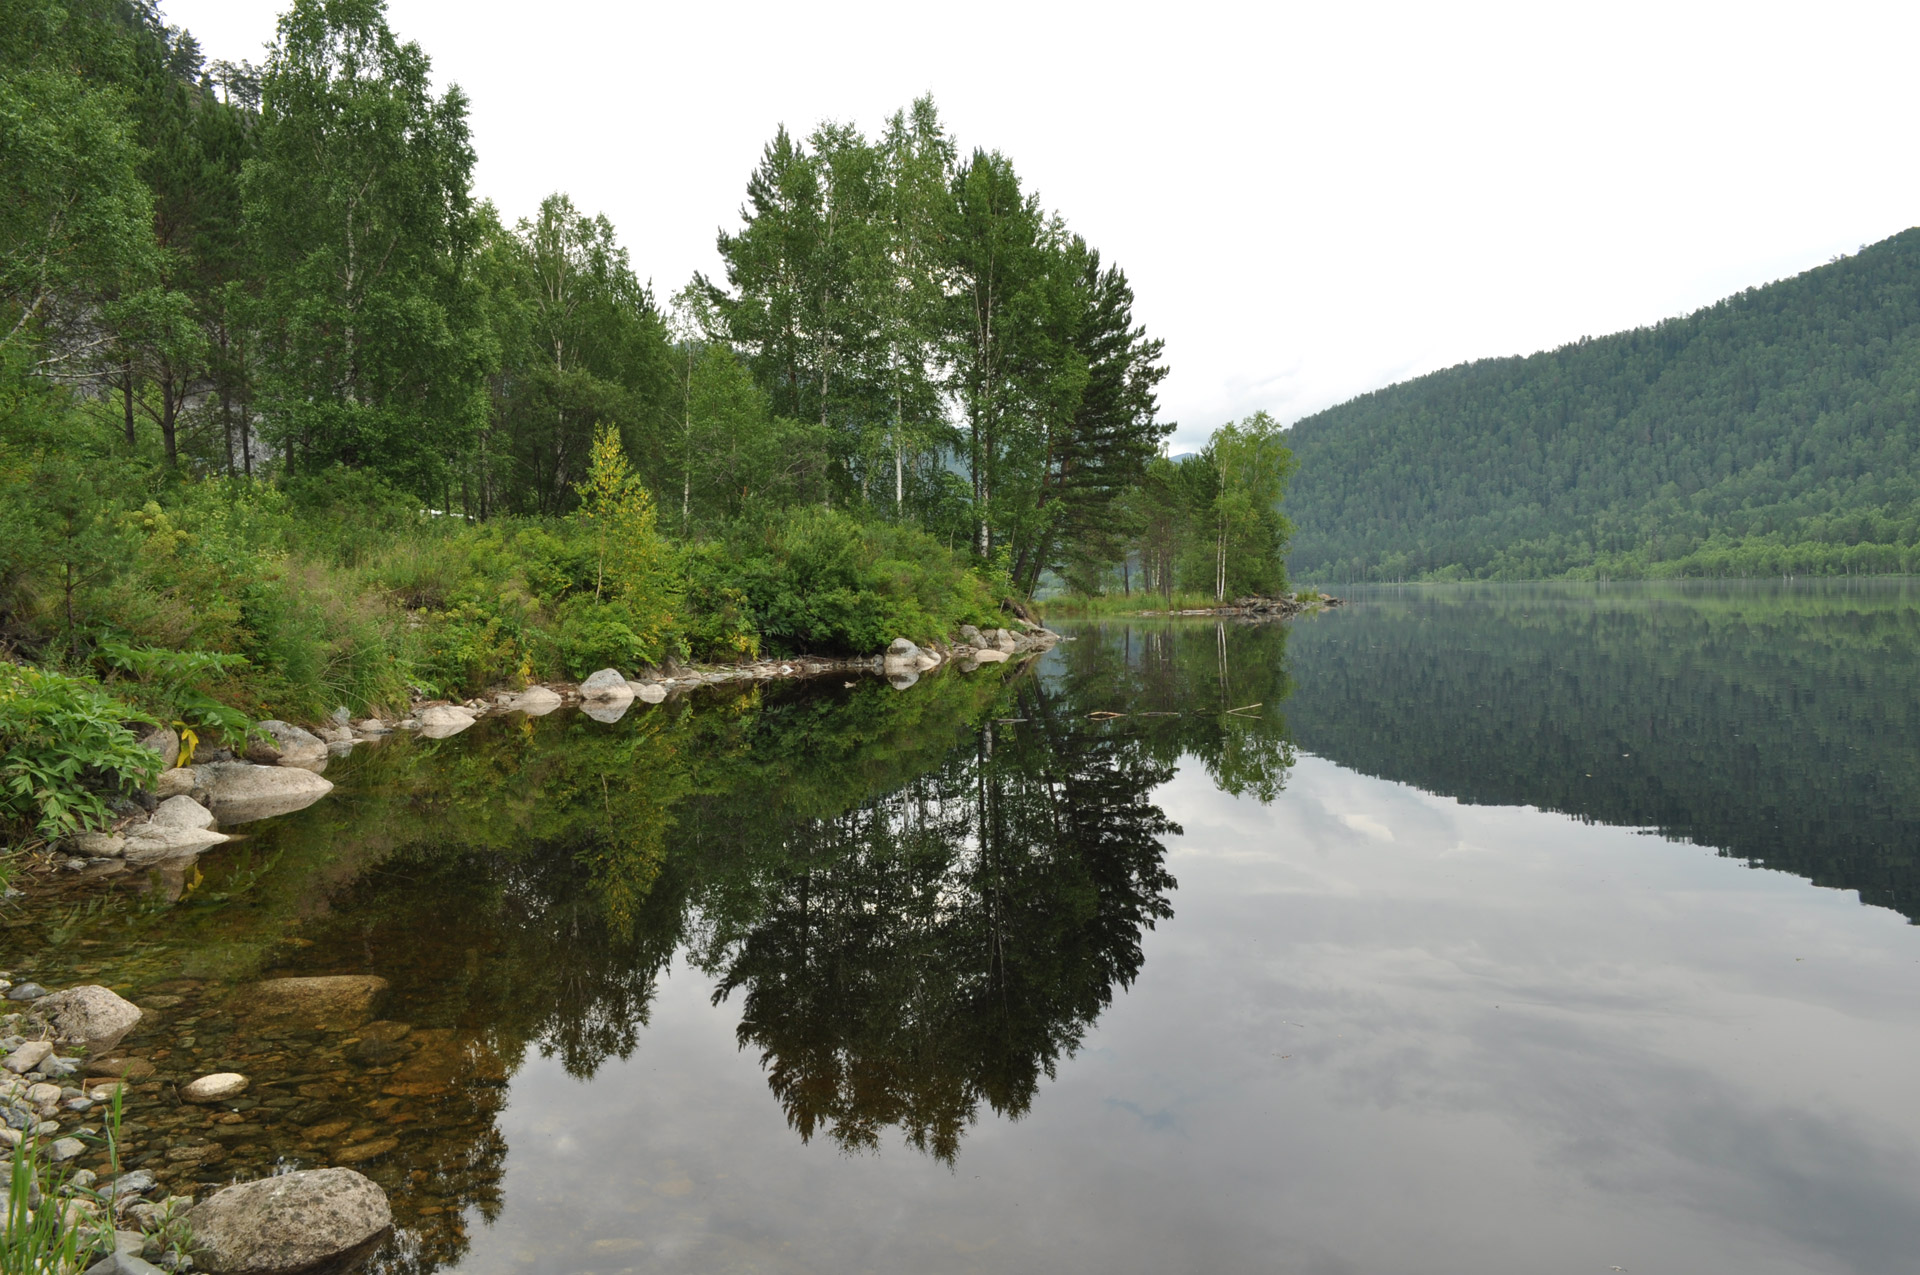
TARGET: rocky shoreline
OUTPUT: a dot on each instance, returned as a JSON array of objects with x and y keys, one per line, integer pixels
[{"x": 1258, "y": 609}]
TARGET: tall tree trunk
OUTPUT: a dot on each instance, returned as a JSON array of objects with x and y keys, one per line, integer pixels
[{"x": 126, "y": 402}]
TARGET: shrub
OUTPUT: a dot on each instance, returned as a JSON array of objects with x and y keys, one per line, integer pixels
[{"x": 64, "y": 740}]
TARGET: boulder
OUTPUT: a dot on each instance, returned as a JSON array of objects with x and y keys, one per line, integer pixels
[
  {"x": 89, "y": 1016},
  {"x": 926, "y": 660},
  {"x": 1003, "y": 640},
  {"x": 291, "y": 746},
  {"x": 535, "y": 701},
  {"x": 153, "y": 842},
  {"x": 649, "y": 692},
  {"x": 173, "y": 783},
  {"x": 902, "y": 656},
  {"x": 218, "y": 1087},
  {"x": 123, "y": 1261},
  {"x": 971, "y": 635},
  {"x": 338, "y": 735},
  {"x": 371, "y": 726},
  {"x": 166, "y": 742},
  {"x": 296, "y": 1222},
  {"x": 901, "y": 679},
  {"x": 339, "y": 716},
  {"x": 239, "y": 793},
  {"x": 607, "y": 684},
  {"x": 28, "y": 1056},
  {"x": 902, "y": 649},
  {"x": 443, "y": 720},
  {"x": 989, "y": 655},
  {"x": 98, "y": 845},
  {"x": 182, "y": 812},
  {"x": 333, "y": 1000}
]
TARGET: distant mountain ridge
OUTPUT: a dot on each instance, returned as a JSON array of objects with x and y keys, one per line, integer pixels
[{"x": 1777, "y": 431}]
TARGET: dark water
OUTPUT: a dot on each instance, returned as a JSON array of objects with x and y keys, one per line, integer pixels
[{"x": 1497, "y": 930}]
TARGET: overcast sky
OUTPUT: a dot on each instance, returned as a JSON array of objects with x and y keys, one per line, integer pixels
[{"x": 1312, "y": 200}]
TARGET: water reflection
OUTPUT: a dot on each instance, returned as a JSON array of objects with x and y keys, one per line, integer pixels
[
  {"x": 1774, "y": 722},
  {"x": 918, "y": 904}
]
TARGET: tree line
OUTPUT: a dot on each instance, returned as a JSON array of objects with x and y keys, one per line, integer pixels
[{"x": 282, "y": 271}]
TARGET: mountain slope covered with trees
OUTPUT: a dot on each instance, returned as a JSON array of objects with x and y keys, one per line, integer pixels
[{"x": 1777, "y": 431}]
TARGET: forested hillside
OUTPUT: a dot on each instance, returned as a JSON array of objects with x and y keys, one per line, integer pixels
[{"x": 1777, "y": 431}]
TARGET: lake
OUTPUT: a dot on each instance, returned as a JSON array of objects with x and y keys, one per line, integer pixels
[{"x": 1464, "y": 928}]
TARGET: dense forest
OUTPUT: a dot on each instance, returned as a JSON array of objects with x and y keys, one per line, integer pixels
[
  {"x": 289, "y": 418},
  {"x": 1776, "y": 432}
]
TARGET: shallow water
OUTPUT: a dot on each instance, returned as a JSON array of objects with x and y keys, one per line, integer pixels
[{"x": 1445, "y": 953}]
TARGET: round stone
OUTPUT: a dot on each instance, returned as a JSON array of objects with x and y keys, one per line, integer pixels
[{"x": 215, "y": 1088}]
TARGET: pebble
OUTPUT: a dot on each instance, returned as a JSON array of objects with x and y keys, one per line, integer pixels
[
  {"x": 28, "y": 1056},
  {"x": 139, "y": 1182},
  {"x": 214, "y": 1088},
  {"x": 26, "y": 992},
  {"x": 66, "y": 1149}
]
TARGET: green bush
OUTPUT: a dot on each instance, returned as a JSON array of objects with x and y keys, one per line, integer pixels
[{"x": 65, "y": 741}]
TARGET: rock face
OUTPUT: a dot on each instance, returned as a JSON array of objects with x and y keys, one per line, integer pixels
[
  {"x": 297, "y": 1222},
  {"x": 607, "y": 684},
  {"x": 238, "y": 792},
  {"x": 182, "y": 812},
  {"x": 153, "y": 842},
  {"x": 292, "y": 746},
  {"x": 535, "y": 701},
  {"x": 91, "y": 1016},
  {"x": 215, "y": 1088},
  {"x": 335, "y": 1000},
  {"x": 166, "y": 742},
  {"x": 443, "y": 720}
]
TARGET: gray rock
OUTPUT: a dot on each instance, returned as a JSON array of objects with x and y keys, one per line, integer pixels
[
  {"x": 372, "y": 726},
  {"x": 90, "y": 1016},
  {"x": 139, "y": 1182},
  {"x": 174, "y": 783},
  {"x": 1003, "y": 640},
  {"x": 443, "y": 720},
  {"x": 239, "y": 793},
  {"x": 151, "y": 843},
  {"x": 125, "y": 1261},
  {"x": 971, "y": 635},
  {"x": 288, "y": 1224},
  {"x": 926, "y": 660},
  {"x": 28, "y": 1056},
  {"x": 26, "y": 992},
  {"x": 292, "y": 745},
  {"x": 98, "y": 845},
  {"x": 902, "y": 649},
  {"x": 182, "y": 812},
  {"x": 989, "y": 655},
  {"x": 66, "y": 1149},
  {"x": 901, "y": 679},
  {"x": 218, "y": 1087},
  {"x": 650, "y": 692},
  {"x": 166, "y": 742},
  {"x": 338, "y": 717},
  {"x": 337, "y": 735},
  {"x": 607, "y": 684},
  {"x": 535, "y": 701}
]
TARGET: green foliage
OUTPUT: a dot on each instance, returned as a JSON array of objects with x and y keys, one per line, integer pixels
[
  {"x": 64, "y": 741},
  {"x": 819, "y": 581},
  {"x": 1774, "y": 432},
  {"x": 180, "y": 683}
]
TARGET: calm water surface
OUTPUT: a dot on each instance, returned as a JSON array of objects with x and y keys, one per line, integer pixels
[{"x": 1500, "y": 929}]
